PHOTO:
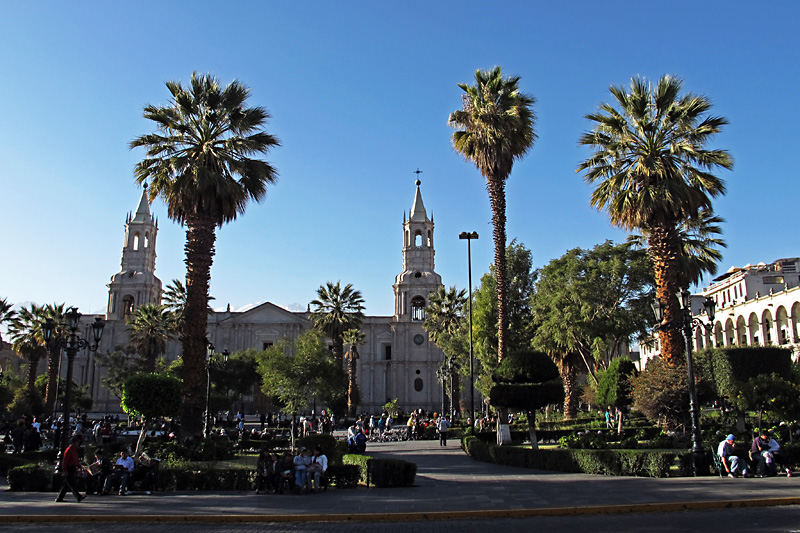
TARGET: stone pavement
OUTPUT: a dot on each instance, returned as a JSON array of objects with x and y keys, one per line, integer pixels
[{"x": 449, "y": 486}]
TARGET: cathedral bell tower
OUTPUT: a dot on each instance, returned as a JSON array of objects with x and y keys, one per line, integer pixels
[
  {"x": 418, "y": 279},
  {"x": 136, "y": 283}
]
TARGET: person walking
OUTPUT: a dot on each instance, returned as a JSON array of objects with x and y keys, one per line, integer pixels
[
  {"x": 70, "y": 464},
  {"x": 443, "y": 426}
]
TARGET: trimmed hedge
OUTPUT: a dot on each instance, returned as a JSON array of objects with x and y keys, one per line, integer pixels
[
  {"x": 31, "y": 478},
  {"x": 642, "y": 463},
  {"x": 344, "y": 476},
  {"x": 383, "y": 472}
]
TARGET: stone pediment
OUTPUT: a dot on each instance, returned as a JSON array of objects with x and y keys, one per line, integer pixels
[{"x": 266, "y": 313}]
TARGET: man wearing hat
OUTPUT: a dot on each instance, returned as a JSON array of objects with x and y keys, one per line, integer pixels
[{"x": 729, "y": 460}]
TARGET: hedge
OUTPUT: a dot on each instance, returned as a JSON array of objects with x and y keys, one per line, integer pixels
[
  {"x": 383, "y": 472},
  {"x": 642, "y": 463}
]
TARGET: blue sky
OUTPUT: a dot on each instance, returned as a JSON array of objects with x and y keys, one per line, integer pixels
[{"x": 359, "y": 94}]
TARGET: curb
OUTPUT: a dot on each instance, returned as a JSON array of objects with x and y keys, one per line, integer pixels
[{"x": 662, "y": 507}]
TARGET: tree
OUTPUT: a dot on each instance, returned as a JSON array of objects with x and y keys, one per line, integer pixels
[
  {"x": 494, "y": 127},
  {"x": 27, "y": 338},
  {"x": 203, "y": 163},
  {"x": 614, "y": 388},
  {"x": 150, "y": 326},
  {"x": 355, "y": 338},
  {"x": 700, "y": 245},
  {"x": 7, "y": 314},
  {"x": 521, "y": 278},
  {"x": 337, "y": 309},
  {"x": 296, "y": 373},
  {"x": 54, "y": 312},
  {"x": 119, "y": 364},
  {"x": 447, "y": 329},
  {"x": 528, "y": 381},
  {"x": 174, "y": 299},
  {"x": 151, "y": 396},
  {"x": 651, "y": 172},
  {"x": 591, "y": 303}
]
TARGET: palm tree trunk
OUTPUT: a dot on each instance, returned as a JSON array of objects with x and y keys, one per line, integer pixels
[
  {"x": 497, "y": 198},
  {"x": 200, "y": 238},
  {"x": 52, "y": 378},
  {"x": 351, "y": 386},
  {"x": 33, "y": 365},
  {"x": 664, "y": 246}
]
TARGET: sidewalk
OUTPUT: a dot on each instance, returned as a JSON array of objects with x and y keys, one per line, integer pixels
[{"x": 448, "y": 485}]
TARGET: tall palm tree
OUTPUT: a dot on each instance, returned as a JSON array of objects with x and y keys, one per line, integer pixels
[
  {"x": 25, "y": 331},
  {"x": 202, "y": 163},
  {"x": 355, "y": 338},
  {"x": 700, "y": 245},
  {"x": 7, "y": 314},
  {"x": 151, "y": 326},
  {"x": 336, "y": 310},
  {"x": 494, "y": 128},
  {"x": 651, "y": 172},
  {"x": 174, "y": 299},
  {"x": 54, "y": 312}
]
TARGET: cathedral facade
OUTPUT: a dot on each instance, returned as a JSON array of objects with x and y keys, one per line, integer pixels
[{"x": 396, "y": 361}]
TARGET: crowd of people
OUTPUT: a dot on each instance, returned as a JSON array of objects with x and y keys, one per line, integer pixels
[
  {"x": 299, "y": 474},
  {"x": 765, "y": 457}
]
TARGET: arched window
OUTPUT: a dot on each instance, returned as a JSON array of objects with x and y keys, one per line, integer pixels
[
  {"x": 136, "y": 241},
  {"x": 127, "y": 305},
  {"x": 147, "y": 240},
  {"x": 418, "y": 240},
  {"x": 418, "y": 308}
]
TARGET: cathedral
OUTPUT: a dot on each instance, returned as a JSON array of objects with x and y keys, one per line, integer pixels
[{"x": 396, "y": 361}]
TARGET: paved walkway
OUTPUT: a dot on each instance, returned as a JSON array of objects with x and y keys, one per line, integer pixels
[{"x": 449, "y": 485}]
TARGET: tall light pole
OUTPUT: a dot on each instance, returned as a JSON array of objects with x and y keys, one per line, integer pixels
[
  {"x": 687, "y": 324},
  {"x": 469, "y": 237},
  {"x": 209, "y": 364},
  {"x": 72, "y": 343}
]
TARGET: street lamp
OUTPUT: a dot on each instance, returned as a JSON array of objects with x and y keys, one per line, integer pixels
[
  {"x": 687, "y": 324},
  {"x": 451, "y": 368},
  {"x": 441, "y": 375},
  {"x": 72, "y": 343},
  {"x": 209, "y": 364},
  {"x": 469, "y": 237}
]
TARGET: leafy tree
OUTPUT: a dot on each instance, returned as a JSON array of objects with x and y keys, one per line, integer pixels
[
  {"x": 614, "y": 387},
  {"x": 528, "y": 381},
  {"x": 151, "y": 326},
  {"x": 494, "y": 127},
  {"x": 80, "y": 399},
  {"x": 652, "y": 172},
  {"x": 296, "y": 373},
  {"x": 119, "y": 364},
  {"x": 335, "y": 310},
  {"x": 26, "y": 401},
  {"x": 26, "y": 334},
  {"x": 151, "y": 396},
  {"x": 521, "y": 278},
  {"x": 354, "y": 337},
  {"x": 202, "y": 162},
  {"x": 588, "y": 305},
  {"x": 235, "y": 377}
]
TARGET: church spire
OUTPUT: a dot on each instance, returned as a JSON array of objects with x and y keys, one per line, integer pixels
[
  {"x": 418, "y": 213},
  {"x": 143, "y": 211}
]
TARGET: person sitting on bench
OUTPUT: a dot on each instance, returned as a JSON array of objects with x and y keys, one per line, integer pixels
[
  {"x": 766, "y": 453},
  {"x": 730, "y": 462}
]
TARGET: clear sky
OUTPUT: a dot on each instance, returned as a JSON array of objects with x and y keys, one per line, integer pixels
[{"x": 359, "y": 94}]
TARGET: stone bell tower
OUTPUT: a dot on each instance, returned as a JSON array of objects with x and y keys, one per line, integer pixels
[{"x": 136, "y": 283}]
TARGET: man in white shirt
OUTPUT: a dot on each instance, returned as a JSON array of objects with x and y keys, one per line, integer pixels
[
  {"x": 443, "y": 426},
  {"x": 122, "y": 472},
  {"x": 730, "y": 462}
]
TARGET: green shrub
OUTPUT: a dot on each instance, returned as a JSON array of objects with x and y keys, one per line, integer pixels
[
  {"x": 344, "y": 476},
  {"x": 360, "y": 461},
  {"x": 32, "y": 478},
  {"x": 8, "y": 461},
  {"x": 391, "y": 472},
  {"x": 208, "y": 449}
]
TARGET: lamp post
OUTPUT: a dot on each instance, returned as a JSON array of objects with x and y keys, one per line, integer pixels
[
  {"x": 72, "y": 343},
  {"x": 441, "y": 375},
  {"x": 451, "y": 368},
  {"x": 469, "y": 237},
  {"x": 687, "y": 324},
  {"x": 207, "y": 425}
]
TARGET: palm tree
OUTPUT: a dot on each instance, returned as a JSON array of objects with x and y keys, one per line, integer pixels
[
  {"x": 651, "y": 173},
  {"x": 27, "y": 339},
  {"x": 174, "y": 299},
  {"x": 151, "y": 326},
  {"x": 54, "y": 312},
  {"x": 355, "y": 338},
  {"x": 7, "y": 314},
  {"x": 336, "y": 310},
  {"x": 202, "y": 163},
  {"x": 494, "y": 128},
  {"x": 699, "y": 246},
  {"x": 444, "y": 322}
]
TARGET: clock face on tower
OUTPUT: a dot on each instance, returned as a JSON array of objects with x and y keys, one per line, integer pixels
[{"x": 418, "y": 339}]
